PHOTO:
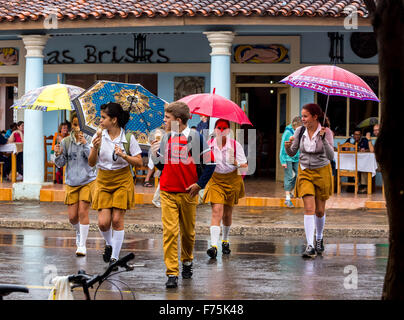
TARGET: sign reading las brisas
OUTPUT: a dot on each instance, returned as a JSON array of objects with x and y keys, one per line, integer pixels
[{"x": 94, "y": 55}]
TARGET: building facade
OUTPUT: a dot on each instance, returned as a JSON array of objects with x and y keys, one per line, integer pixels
[{"x": 240, "y": 48}]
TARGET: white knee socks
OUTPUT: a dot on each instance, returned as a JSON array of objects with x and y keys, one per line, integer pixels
[
  {"x": 319, "y": 227},
  {"x": 107, "y": 235},
  {"x": 83, "y": 234},
  {"x": 226, "y": 231},
  {"x": 309, "y": 229},
  {"x": 117, "y": 240},
  {"x": 214, "y": 235},
  {"x": 76, "y": 227}
]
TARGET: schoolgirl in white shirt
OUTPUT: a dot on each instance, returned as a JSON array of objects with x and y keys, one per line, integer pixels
[{"x": 114, "y": 190}]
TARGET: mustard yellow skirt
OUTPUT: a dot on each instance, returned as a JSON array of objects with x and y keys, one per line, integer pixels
[
  {"x": 315, "y": 182},
  {"x": 114, "y": 189},
  {"x": 225, "y": 189},
  {"x": 79, "y": 193}
]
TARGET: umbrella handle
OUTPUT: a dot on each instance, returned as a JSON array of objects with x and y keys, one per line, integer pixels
[{"x": 326, "y": 108}]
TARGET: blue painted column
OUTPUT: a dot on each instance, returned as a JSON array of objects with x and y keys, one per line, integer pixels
[
  {"x": 220, "y": 74},
  {"x": 34, "y": 156}
]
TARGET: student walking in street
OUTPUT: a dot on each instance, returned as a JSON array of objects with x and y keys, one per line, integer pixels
[
  {"x": 226, "y": 186},
  {"x": 73, "y": 151},
  {"x": 289, "y": 164},
  {"x": 314, "y": 182},
  {"x": 113, "y": 151},
  {"x": 186, "y": 164}
]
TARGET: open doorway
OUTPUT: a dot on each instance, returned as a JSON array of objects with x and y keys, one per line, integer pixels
[
  {"x": 261, "y": 106},
  {"x": 8, "y": 93}
]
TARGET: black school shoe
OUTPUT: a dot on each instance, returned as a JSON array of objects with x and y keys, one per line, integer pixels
[
  {"x": 106, "y": 256},
  {"x": 310, "y": 252},
  {"x": 111, "y": 262},
  {"x": 172, "y": 282},
  {"x": 319, "y": 246},
  {"x": 226, "y": 247},
  {"x": 212, "y": 252},
  {"x": 187, "y": 271}
]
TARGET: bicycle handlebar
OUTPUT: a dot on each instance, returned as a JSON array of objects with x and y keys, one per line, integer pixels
[
  {"x": 6, "y": 289},
  {"x": 82, "y": 278}
]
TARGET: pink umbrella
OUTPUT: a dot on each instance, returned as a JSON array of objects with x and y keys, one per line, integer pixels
[
  {"x": 331, "y": 80},
  {"x": 214, "y": 105}
]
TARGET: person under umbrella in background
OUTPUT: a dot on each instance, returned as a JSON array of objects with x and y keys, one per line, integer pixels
[
  {"x": 290, "y": 164},
  {"x": 113, "y": 151},
  {"x": 203, "y": 126},
  {"x": 314, "y": 183},
  {"x": 73, "y": 152},
  {"x": 63, "y": 132},
  {"x": 226, "y": 186}
]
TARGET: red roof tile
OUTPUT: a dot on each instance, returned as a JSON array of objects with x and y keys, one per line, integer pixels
[{"x": 25, "y": 10}]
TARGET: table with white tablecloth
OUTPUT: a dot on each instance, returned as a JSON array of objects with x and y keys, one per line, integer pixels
[
  {"x": 366, "y": 163},
  {"x": 11, "y": 148}
]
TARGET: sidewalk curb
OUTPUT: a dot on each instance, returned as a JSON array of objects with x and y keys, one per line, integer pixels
[{"x": 236, "y": 230}]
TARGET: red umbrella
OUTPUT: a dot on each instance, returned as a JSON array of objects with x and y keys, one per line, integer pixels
[
  {"x": 214, "y": 105},
  {"x": 331, "y": 80}
]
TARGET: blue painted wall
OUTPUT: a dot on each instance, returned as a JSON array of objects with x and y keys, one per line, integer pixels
[
  {"x": 315, "y": 47},
  {"x": 185, "y": 48},
  {"x": 189, "y": 47},
  {"x": 166, "y": 88}
]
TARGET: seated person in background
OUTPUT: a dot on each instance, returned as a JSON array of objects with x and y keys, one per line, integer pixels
[
  {"x": 63, "y": 131},
  {"x": 18, "y": 137},
  {"x": 375, "y": 134},
  {"x": 363, "y": 146},
  {"x": 18, "y": 134},
  {"x": 4, "y": 158},
  {"x": 13, "y": 127},
  {"x": 363, "y": 143}
]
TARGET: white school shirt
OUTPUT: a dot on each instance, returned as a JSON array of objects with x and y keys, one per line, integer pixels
[
  {"x": 224, "y": 157},
  {"x": 310, "y": 144},
  {"x": 105, "y": 161}
]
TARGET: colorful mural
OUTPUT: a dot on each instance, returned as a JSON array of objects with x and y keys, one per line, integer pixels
[
  {"x": 8, "y": 56},
  {"x": 273, "y": 53}
]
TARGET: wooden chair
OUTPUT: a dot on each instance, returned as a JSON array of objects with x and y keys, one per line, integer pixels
[
  {"x": 48, "y": 164},
  {"x": 347, "y": 148},
  {"x": 143, "y": 176},
  {"x": 1, "y": 171}
]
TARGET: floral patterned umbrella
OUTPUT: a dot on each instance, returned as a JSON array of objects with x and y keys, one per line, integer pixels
[
  {"x": 332, "y": 81},
  {"x": 146, "y": 109}
]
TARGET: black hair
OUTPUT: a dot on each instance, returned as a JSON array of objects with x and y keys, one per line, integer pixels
[
  {"x": 19, "y": 123},
  {"x": 115, "y": 110}
]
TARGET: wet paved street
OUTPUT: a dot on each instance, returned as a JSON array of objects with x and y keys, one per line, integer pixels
[
  {"x": 258, "y": 268},
  {"x": 251, "y": 221}
]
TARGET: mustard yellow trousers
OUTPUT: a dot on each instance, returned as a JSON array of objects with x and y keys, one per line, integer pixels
[{"x": 178, "y": 214}]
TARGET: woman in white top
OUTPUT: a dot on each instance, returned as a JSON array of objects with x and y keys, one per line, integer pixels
[
  {"x": 114, "y": 190},
  {"x": 226, "y": 186}
]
